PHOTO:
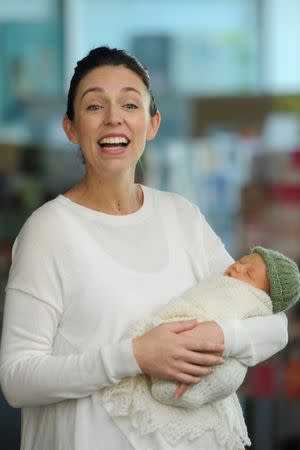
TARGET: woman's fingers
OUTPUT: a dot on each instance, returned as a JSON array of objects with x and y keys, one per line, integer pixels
[
  {"x": 195, "y": 371},
  {"x": 181, "y": 326},
  {"x": 199, "y": 345},
  {"x": 180, "y": 391},
  {"x": 202, "y": 359},
  {"x": 185, "y": 378},
  {"x": 192, "y": 366},
  {"x": 190, "y": 373}
]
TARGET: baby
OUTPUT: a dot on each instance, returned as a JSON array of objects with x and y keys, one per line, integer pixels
[{"x": 260, "y": 283}]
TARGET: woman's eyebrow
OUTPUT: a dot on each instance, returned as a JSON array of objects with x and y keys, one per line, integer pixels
[
  {"x": 92, "y": 89},
  {"x": 129, "y": 89},
  {"x": 101, "y": 90}
]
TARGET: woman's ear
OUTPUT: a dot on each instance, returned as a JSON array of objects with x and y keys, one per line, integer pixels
[
  {"x": 153, "y": 126},
  {"x": 69, "y": 129}
]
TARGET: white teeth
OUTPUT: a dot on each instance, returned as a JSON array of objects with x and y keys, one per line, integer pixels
[{"x": 114, "y": 140}]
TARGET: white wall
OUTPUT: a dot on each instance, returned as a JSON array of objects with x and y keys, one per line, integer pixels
[
  {"x": 281, "y": 44},
  {"x": 90, "y": 23}
]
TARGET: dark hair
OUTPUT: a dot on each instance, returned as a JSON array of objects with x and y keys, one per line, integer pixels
[{"x": 106, "y": 56}]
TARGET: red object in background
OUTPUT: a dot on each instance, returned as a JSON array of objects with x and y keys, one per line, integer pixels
[
  {"x": 262, "y": 381},
  {"x": 295, "y": 158},
  {"x": 283, "y": 193},
  {"x": 291, "y": 379},
  {"x": 5, "y": 252}
]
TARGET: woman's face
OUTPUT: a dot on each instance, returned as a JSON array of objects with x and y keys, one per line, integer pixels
[{"x": 111, "y": 121}]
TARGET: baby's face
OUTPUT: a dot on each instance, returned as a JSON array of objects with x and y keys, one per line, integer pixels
[{"x": 251, "y": 269}]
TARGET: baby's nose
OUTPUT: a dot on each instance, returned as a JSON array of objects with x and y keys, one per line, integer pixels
[
  {"x": 231, "y": 269},
  {"x": 242, "y": 268},
  {"x": 237, "y": 267}
]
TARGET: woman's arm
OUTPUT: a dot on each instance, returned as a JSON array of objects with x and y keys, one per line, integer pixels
[
  {"x": 254, "y": 339},
  {"x": 249, "y": 340},
  {"x": 31, "y": 375},
  {"x": 29, "y": 372}
]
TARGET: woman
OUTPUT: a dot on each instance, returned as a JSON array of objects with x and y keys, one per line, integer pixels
[{"x": 95, "y": 260}]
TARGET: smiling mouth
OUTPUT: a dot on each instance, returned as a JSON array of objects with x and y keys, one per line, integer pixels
[{"x": 114, "y": 143}]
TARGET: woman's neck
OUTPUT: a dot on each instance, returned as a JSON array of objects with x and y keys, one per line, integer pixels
[{"x": 117, "y": 198}]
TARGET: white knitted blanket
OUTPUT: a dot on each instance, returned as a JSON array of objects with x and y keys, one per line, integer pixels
[{"x": 210, "y": 404}]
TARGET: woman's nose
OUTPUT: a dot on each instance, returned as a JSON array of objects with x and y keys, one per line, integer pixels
[{"x": 113, "y": 116}]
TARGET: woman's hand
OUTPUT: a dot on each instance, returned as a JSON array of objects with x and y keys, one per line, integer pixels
[
  {"x": 207, "y": 331},
  {"x": 168, "y": 351},
  {"x": 204, "y": 330}
]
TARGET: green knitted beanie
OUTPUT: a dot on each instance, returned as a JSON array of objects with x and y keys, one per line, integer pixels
[{"x": 284, "y": 278}]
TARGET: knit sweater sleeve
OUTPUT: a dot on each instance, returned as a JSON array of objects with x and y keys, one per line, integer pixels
[
  {"x": 30, "y": 372},
  {"x": 250, "y": 340}
]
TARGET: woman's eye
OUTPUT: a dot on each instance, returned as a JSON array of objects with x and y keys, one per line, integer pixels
[
  {"x": 131, "y": 106},
  {"x": 94, "y": 107}
]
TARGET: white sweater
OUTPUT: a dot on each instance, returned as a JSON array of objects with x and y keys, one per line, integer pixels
[{"x": 79, "y": 280}]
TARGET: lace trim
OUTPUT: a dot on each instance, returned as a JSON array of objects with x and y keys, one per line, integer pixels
[{"x": 132, "y": 398}]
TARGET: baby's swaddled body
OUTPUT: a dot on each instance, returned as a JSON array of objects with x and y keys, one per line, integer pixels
[
  {"x": 210, "y": 300},
  {"x": 149, "y": 402}
]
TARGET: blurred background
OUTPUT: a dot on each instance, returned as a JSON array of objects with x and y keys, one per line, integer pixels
[{"x": 226, "y": 78}]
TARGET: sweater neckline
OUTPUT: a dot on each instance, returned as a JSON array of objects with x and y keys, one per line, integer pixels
[{"x": 112, "y": 219}]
